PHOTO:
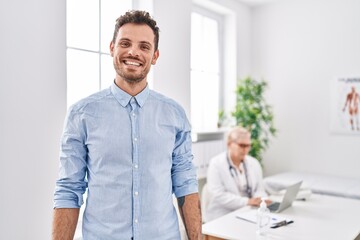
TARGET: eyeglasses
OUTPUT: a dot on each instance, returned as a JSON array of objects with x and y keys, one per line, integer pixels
[{"x": 243, "y": 145}]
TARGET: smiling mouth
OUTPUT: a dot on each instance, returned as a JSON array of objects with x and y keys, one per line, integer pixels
[{"x": 131, "y": 63}]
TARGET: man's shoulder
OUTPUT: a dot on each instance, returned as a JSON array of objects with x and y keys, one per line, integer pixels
[
  {"x": 251, "y": 160},
  {"x": 84, "y": 103},
  {"x": 162, "y": 98},
  {"x": 218, "y": 159},
  {"x": 166, "y": 102}
]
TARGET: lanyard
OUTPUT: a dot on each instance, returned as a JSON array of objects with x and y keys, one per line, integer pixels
[{"x": 233, "y": 173}]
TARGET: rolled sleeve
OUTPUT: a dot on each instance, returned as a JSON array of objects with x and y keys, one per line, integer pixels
[
  {"x": 183, "y": 171},
  {"x": 71, "y": 183}
]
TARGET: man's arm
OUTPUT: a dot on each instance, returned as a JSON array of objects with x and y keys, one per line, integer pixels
[
  {"x": 190, "y": 211},
  {"x": 64, "y": 223}
]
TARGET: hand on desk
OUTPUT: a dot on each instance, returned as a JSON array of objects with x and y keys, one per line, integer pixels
[{"x": 256, "y": 201}]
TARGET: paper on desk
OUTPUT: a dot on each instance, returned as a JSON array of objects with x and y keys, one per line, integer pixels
[{"x": 250, "y": 216}]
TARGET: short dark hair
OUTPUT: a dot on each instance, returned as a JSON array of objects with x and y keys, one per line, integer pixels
[{"x": 137, "y": 17}]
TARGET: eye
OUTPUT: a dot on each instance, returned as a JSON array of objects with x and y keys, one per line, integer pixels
[
  {"x": 145, "y": 47},
  {"x": 124, "y": 44}
]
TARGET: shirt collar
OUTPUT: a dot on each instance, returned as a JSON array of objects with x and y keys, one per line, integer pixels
[
  {"x": 124, "y": 98},
  {"x": 231, "y": 162}
]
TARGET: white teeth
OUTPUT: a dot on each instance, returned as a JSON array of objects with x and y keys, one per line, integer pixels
[{"x": 132, "y": 63}]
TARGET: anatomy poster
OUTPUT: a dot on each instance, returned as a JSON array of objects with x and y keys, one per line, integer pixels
[{"x": 345, "y": 100}]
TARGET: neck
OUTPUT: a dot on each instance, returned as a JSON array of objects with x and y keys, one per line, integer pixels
[
  {"x": 236, "y": 161},
  {"x": 132, "y": 89}
]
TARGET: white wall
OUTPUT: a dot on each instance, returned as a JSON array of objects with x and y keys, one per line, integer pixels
[
  {"x": 300, "y": 47},
  {"x": 32, "y": 108},
  {"x": 172, "y": 70}
]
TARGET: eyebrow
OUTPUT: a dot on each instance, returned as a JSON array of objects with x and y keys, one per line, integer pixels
[{"x": 142, "y": 42}]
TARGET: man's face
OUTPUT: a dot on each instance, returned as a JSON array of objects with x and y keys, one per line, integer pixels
[
  {"x": 240, "y": 148},
  {"x": 133, "y": 52}
]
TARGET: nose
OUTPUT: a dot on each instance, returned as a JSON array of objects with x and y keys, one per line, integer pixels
[{"x": 133, "y": 52}]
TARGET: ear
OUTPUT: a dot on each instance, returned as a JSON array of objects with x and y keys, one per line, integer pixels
[
  {"x": 155, "y": 57},
  {"x": 112, "y": 48}
]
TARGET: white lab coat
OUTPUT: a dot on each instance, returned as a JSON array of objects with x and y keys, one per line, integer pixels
[{"x": 223, "y": 191}]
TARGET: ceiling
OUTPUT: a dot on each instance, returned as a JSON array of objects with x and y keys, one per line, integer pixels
[{"x": 256, "y": 2}]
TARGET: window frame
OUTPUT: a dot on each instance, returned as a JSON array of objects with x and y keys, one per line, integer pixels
[
  {"x": 220, "y": 19},
  {"x": 100, "y": 52}
]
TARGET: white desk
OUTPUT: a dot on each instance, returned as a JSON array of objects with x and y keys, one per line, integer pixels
[{"x": 320, "y": 217}]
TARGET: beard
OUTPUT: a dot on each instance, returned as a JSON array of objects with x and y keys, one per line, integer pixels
[{"x": 130, "y": 77}]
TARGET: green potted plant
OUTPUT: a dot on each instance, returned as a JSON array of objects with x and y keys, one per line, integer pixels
[
  {"x": 221, "y": 118},
  {"x": 253, "y": 113}
]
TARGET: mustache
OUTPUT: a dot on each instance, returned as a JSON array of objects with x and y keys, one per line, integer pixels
[{"x": 133, "y": 58}]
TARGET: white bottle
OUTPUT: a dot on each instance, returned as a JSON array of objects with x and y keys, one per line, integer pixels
[{"x": 263, "y": 220}]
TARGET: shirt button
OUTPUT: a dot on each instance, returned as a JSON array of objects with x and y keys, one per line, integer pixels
[
  {"x": 136, "y": 166},
  {"x": 135, "y": 139},
  {"x": 133, "y": 114},
  {"x": 136, "y": 193},
  {"x": 136, "y": 221}
]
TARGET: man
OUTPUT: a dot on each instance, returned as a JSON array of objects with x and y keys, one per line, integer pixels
[
  {"x": 234, "y": 178},
  {"x": 130, "y": 147},
  {"x": 352, "y": 101}
]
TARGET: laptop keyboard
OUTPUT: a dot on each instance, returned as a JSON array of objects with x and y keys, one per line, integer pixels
[{"x": 274, "y": 206}]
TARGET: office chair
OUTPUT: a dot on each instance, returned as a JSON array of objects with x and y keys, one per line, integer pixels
[{"x": 204, "y": 201}]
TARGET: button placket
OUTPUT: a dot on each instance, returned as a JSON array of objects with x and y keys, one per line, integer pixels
[{"x": 135, "y": 177}]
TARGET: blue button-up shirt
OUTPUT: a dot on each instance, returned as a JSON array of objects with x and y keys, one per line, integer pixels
[{"x": 131, "y": 154}]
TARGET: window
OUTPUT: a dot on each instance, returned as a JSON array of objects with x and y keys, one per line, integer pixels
[
  {"x": 206, "y": 76},
  {"x": 90, "y": 26}
]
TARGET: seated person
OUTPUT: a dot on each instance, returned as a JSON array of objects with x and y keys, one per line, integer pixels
[{"x": 234, "y": 179}]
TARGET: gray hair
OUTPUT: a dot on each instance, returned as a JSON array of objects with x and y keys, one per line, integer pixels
[{"x": 237, "y": 133}]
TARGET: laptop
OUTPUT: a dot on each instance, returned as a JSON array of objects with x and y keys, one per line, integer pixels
[
  {"x": 358, "y": 237},
  {"x": 289, "y": 197}
]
